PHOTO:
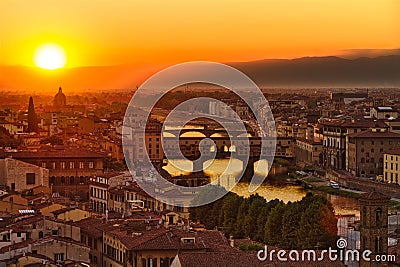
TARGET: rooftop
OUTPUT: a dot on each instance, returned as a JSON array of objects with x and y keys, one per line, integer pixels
[
  {"x": 373, "y": 195},
  {"x": 55, "y": 153},
  {"x": 374, "y": 134},
  {"x": 393, "y": 152}
]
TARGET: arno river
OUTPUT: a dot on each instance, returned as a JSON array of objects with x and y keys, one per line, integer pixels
[{"x": 275, "y": 186}]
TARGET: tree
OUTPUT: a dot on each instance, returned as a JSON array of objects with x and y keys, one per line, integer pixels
[
  {"x": 318, "y": 226},
  {"x": 32, "y": 118},
  {"x": 250, "y": 221},
  {"x": 273, "y": 227},
  {"x": 6, "y": 140},
  {"x": 53, "y": 140},
  {"x": 291, "y": 217},
  {"x": 230, "y": 208}
]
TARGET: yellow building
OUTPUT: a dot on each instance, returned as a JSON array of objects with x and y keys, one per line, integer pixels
[{"x": 391, "y": 165}]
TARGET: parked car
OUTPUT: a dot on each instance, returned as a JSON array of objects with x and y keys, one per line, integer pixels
[{"x": 334, "y": 185}]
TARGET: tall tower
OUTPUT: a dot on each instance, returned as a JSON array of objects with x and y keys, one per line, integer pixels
[
  {"x": 60, "y": 100},
  {"x": 374, "y": 226}
]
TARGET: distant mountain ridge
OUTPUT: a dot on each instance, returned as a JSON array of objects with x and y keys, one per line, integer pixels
[
  {"x": 331, "y": 71},
  {"x": 383, "y": 71}
]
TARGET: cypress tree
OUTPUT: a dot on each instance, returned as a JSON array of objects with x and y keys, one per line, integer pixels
[{"x": 32, "y": 118}]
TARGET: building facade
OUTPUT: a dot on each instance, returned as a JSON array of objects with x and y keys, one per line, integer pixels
[
  {"x": 19, "y": 176},
  {"x": 69, "y": 169},
  {"x": 334, "y": 139},
  {"x": 382, "y": 113},
  {"x": 308, "y": 152},
  {"x": 365, "y": 151},
  {"x": 391, "y": 166}
]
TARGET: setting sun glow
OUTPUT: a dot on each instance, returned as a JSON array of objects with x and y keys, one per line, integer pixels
[{"x": 50, "y": 56}]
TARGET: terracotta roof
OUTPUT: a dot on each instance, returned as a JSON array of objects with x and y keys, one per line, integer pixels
[
  {"x": 133, "y": 240},
  {"x": 65, "y": 153},
  {"x": 393, "y": 152},
  {"x": 117, "y": 191},
  {"x": 355, "y": 123},
  {"x": 110, "y": 174},
  {"x": 172, "y": 239},
  {"x": 370, "y": 134},
  {"x": 89, "y": 225},
  {"x": 26, "y": 243},
  {"x": 232, "y": 258},
  {"x": 27, "y": 220},
  {"x": 62, "y": 210},
  {"x": 373, "y": 195},
  {"x": 308, "y": 141},
  {"x": 38, "y": 256}
]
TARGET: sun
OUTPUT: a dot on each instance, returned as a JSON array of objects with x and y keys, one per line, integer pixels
[{"x": 50, "y": 56}]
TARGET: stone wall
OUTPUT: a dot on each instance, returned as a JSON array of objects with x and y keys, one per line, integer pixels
[{"x": 363, "y": 184}]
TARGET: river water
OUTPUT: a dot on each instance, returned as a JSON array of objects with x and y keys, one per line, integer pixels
[{"x": 274, "y": 187}]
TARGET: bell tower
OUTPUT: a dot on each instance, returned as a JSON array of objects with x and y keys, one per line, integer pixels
[{"x": 373, "y": 226}]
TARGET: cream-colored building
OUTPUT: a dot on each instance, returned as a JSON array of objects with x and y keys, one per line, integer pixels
[
  {"x": 19, "y": 175},
  {"x": 391, "y": 166},
  {"x": 53, "y": 247}
]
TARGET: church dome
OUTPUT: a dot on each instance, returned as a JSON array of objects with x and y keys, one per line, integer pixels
[{"x": 60, "y": 99}]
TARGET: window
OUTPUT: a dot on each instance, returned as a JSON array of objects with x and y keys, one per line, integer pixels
[
  {"x": 53, "y": 165},
  {"x": 91, "y": 165},
  {"x": 43, "y": 164},
  {"x": 72, "y": 165},
  {"x": 62, "y": 165},
  {"x": 188, "y": 240},
  {"x": 81, "y": 165},
  {"x": 30, "y": 178},
  {"x": 58, "y": 257}
]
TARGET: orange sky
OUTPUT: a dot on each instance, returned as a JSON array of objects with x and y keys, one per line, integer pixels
[{"x": 106, "y": 32}]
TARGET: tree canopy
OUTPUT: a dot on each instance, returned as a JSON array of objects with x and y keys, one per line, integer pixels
[{"x": 306, "y": 224}]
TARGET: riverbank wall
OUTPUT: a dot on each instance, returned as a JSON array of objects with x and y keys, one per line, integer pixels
[{"x": 363, "y": 184}]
